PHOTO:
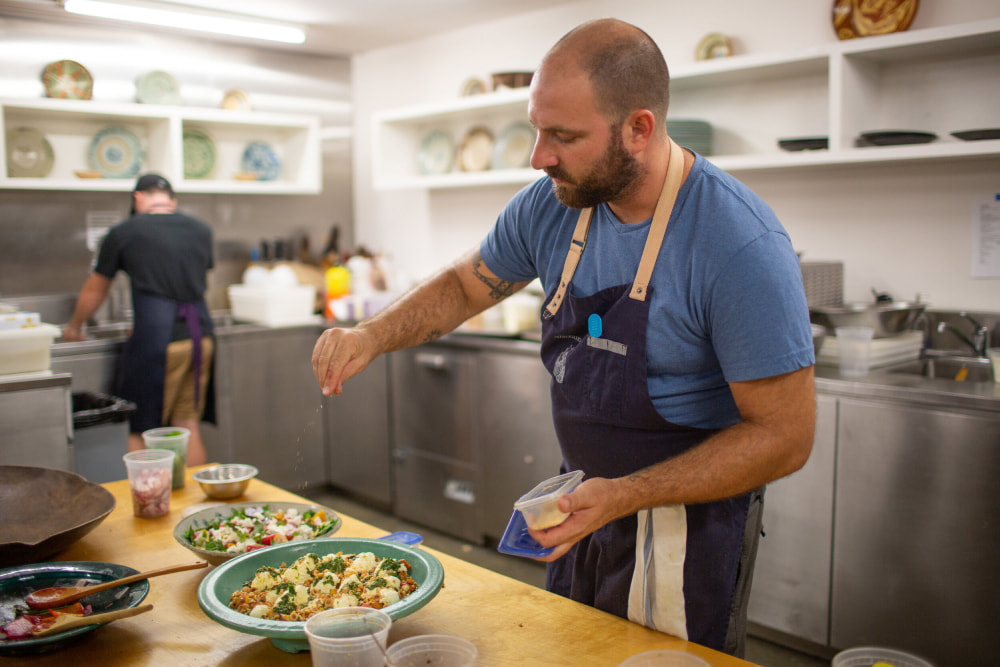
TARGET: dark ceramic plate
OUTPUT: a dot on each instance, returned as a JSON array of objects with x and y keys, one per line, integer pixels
[
  {"x": 43, "y": 511},
  {"x": 895, "y": 138},
  {"x": 977, "y": 135},
  {"x": 217, "y": 587},
  {"x": 804, "y": 143},
  {"x": 17, "y": 582}
]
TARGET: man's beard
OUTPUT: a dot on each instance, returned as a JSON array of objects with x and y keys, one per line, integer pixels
[{"x": 615, "y": 172}]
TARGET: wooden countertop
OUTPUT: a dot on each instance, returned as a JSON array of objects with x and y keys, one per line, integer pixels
[{"x": 511, "y": 623}]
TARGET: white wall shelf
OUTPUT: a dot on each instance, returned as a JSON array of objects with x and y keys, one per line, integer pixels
[
  {"x": 938, "y": 80},
  {"x": 70, "y": 125}
]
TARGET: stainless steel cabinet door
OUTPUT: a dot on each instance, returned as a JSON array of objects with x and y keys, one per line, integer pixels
[
  {"x": 917, "y": 531},
  {"x": 791, "y": 584},
  {"x": 357, "y": 426},
  {"x": 517, "y": 438}
]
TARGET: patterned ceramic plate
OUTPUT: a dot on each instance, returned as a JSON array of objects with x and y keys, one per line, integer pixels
[
  {"x": 29, "y": 153},
  {"x": 476, "y": 150},
  {"x": 236, "y": 100},
  {"x": 513, "y": 148},
  {"x": 437, "y": 153},
  {"x": 68, "y": 80},
  {"x": 157, "y": 88},
  {"x": 259, "y": 158},
  {"x": 116, "y": 152},
  {"x": 199, "y": 154}
]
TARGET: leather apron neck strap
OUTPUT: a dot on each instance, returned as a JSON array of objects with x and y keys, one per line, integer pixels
[{"x": 661, "y": 216}]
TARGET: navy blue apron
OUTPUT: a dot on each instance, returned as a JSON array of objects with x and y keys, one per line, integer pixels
[
  {"x": 608, "y": 427},
  {"x": 142, "y": 366}
]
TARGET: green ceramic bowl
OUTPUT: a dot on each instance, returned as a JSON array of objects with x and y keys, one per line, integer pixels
[
  {"x": 17, "y": 582},
  {"x": 216, "y": 588},
  {"x": 200, "y": 519}
]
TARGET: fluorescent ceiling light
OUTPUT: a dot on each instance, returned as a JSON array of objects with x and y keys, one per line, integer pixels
[{"x": 187, "y": 20}]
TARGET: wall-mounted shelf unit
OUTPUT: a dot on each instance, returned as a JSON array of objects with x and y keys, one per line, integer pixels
[
  {"x": 70, "y": 125},
  {"x": 937, "y": 80}
]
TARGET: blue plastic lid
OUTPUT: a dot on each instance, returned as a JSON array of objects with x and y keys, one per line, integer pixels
[
  {"x": 403, "y": 537},
  {"x": 517, "y": 542}
]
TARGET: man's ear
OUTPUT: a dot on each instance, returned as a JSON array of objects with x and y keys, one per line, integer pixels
[{"x": 637, "y": 131}]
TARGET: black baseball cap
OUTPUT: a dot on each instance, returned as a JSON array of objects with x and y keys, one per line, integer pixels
[{"x": 153, "y": 182}]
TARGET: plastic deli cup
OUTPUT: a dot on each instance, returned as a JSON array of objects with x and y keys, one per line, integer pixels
[
  {"x": 994, "y": 354},
  {"x": 854, "y": 350},
  {"x": 353, "y": 636},
  {"x": 175, "y": 439},
  {"x": 432, "y": 650},
  {"x": 149, "y": 475},
  {"x": 540, "y": 505}
]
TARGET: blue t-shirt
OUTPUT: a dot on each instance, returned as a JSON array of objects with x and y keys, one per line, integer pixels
[{"x": 727, "y": 300}]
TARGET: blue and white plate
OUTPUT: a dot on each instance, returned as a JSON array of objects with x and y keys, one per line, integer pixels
[
  {"x": 259, "y": 158},
  {"x": 116, "y": 152}
]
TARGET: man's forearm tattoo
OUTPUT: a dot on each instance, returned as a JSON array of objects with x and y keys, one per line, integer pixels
[
  {"x": 499, "y": 289},
  {"x": 431, "y": 336}
]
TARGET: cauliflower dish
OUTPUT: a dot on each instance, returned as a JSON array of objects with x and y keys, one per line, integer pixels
[{"x": 312, "y": 584}]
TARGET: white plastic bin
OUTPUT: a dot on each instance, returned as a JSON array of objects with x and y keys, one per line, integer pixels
[
  {"x": 27, "y": 350},
  {"x": 273, "y": 306}
]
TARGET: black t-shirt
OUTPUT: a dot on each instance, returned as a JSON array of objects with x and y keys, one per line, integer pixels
[{"x": 167, "y": 255}]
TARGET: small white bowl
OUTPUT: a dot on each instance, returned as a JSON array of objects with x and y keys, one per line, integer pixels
[{"x": 225, "y": 481}]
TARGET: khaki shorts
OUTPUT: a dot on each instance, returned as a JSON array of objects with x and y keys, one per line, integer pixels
[{"x": 178, "y": 385}]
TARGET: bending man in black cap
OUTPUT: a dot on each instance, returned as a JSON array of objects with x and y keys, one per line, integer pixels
[{"x": 166, "y": 363}]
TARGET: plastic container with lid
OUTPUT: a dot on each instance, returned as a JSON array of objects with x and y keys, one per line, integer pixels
[
  {"x": 868, "y": 656},
  {"x": 540, "y": 505}
]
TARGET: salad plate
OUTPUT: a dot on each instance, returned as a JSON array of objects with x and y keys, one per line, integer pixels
[
  {"x": 199, "y": 154},
  {"x": 216, "y": 588},
  {"x": 215, "y": 516},
  {"x": 116, "y": 152},
  {"x": 513, "y": 148},
  {"x": 29, "y": 153},
  {"x": 259, "y": 158},
  {"x": 436, "y": 154},
  {"x": 67, "y": 80},
  {"x": 157, "y": 87},
  {"x": 17, "y": 582}
]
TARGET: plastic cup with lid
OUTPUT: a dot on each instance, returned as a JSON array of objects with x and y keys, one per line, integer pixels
[{"x": 353, "y": 636}]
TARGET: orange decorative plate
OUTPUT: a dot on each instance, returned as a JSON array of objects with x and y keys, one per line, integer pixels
[
  {"x": 862, "y": 18},
  {"x": 68, "y": 80}
]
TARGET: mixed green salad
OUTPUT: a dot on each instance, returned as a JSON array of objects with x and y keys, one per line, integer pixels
[{"x": 249, "y": 528}]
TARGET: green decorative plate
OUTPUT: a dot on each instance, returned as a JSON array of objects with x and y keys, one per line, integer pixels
[
  {"x": 157, "y": 87},
  {"x": 199, "y": 154},
  {"x": 29, "y": 153},
  {"x": 17, "y": 582},
  {"x": 290, "y": 636}
]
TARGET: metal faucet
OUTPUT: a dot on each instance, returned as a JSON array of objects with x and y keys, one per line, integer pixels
[{"x": 980, "y": 336}]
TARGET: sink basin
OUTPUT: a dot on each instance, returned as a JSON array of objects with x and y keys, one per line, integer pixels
[{"x": 949, "y": 368}]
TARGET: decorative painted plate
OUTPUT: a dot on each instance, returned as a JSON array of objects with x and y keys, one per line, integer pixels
[
  {"x": 513, "y": 148},
  {"x": 17, "y": 582},
  {"x": 157, "y": 87},
  {"x": 437, "y": 153},
  {"x": 862, "y": 18},
  {"x": 259, "y": 158},
  {"x": 236, "y": 100},
  {"x": 29, "y": 153},
  {"x": 894, "y": 138},
  {"x": 199, "y": 154},
  {"x": 476, "y": 150},
  {"x": 473, "y": 86},
  {"x": 68, "y": 80},
  {"x": 977, "y": 135},
  {"x": 116, "y": 152},
  {"x": 804, "y": 143},
  {"x": 713, "y": 45}
]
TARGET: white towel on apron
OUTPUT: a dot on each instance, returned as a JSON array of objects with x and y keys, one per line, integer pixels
[{"x": 656, "y": 598}]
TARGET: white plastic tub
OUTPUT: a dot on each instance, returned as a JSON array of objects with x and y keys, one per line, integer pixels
[
  {"x": 27, "y": 350},
  {"x": 273, "y": 306}
]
